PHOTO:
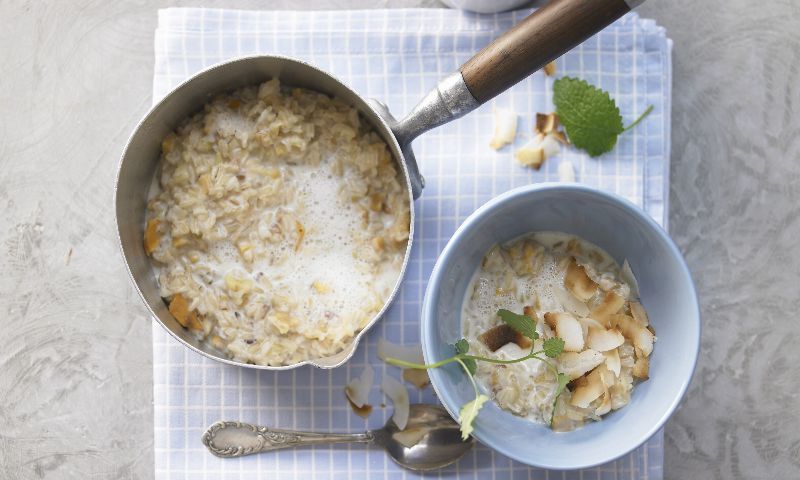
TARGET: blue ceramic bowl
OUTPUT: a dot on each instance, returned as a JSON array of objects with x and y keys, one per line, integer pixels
[{"x": 666, "y": 289}]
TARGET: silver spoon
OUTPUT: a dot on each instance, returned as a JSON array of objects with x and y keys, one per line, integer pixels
[{"x": 430, "y": 440}]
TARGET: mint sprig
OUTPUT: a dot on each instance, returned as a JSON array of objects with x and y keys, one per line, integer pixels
[
  {"x": 590, "y": 116},
  {"x": 521, "y": 323}
]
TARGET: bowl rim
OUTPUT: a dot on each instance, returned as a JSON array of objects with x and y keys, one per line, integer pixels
[{"x": 432, "y": 296}]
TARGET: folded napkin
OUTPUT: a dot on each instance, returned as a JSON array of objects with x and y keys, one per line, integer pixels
[{"x": 397, "y": 56}]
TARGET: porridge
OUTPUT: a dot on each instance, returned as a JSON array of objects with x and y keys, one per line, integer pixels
[
  {"x": 572, "y": 290},
  {"x": 277, "y": 223}
]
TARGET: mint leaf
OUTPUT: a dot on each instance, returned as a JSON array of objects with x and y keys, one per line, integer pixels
[
  {"x": 462, "y": 346},
  {"x": 589, "y": 115},
  {"x": 521, "y": 323},
  {"x": 553, "y": 347},
  {"x": 468, "y": 413}
]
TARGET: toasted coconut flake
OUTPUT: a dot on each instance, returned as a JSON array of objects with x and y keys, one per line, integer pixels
[
  {"x": 546, "y": 123},
  {"x": 588, "y": 322},
  {"x": 641, "y": 338},
  {"x": 612, "y": 361},
  {"x": 500, "y": 335},
  {"x": 550, "y": 68},
  {"x": 363, "y": 411},
  {"x": 358, "y": 389},
  {"x": 627, "y": 275},
  {"x": 505, "y": 128},
  {"x": 179, "y": 308},
  {"x": 609, "y": 306},
  {"x": 531, "y": 155},
  {"x": 578, "y": 282},
  {"x": 412, "y": 436},
  {"x": 411, "y": 353},
  {"x": 639, "y": 313},
  {"x": 417, "y": 377},
  {"x": 641, "y": 369},
  {"x": 397, "y": 392},
  {"x": 570, "y": 303},
  {"x": 575, "y": 364},
  {"x": 566, "y": 173},
  {"x": 567, "y": 328},
  {"x": 604, "y": 340},
  {"x": 560, "y": 137},
  {"x": 583, "y": 395}
]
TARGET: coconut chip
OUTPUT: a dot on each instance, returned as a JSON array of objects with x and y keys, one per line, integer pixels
[
  {"x": 505, "y": 128},
  {"x": 411, "y": 353},
  {"x": 641, "y": 338},
  {"x": 417, "y": 377},
  {"x": 613, "y": 362},
  {"x": 604, "y": 340},
  {"x": 398, "y": 393},
  {"x": 639, "y": 313},
  {"x": 357, "y": 390},
  {"x": 567, "y": 328},
  {"x": 550, "y": 69},
  {"x": 628, "y": 277},
  {"x": 566, "y": 173},
  {"x": 500, "y": 335},
  {"x": 575, "y": 364},
  {"x": 578, "y": 282},
  {"x": 609, "y": 306},
  {"x": 588, "y": 392}
]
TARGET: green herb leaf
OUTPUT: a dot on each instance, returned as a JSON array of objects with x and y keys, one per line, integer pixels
[
  {"x": 462, "y": 346},
  {"x": 563, "y": 380},
  {"x": 521, "y": 323},
  {"x": 589, "y": 115},
  {"x": 471, "y": 365},
  {"x": 468, "y": 413},
  {"x": 553, "y": 347}
]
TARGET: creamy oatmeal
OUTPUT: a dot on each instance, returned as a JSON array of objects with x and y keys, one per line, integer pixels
[
  {"x": 572, "y": 290},
  {"x": 277, "y": 223}
]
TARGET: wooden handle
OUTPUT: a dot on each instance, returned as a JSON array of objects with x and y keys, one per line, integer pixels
[{"x": 540, "y": 38}]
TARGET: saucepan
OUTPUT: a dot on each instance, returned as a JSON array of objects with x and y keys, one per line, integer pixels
[{"x": 538, "y": 39}]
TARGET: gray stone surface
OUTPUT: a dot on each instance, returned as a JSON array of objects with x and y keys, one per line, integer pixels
[{"x": 75, "y": 368}]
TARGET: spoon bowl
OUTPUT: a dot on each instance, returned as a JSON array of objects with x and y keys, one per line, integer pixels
[{"x": 430, "y": 440}]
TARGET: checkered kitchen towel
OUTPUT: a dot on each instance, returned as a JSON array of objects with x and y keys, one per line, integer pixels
[{"x": 397, "y": 56}]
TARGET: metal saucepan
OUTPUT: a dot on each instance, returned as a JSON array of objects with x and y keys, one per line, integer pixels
[{"x": 541, "y": 37}]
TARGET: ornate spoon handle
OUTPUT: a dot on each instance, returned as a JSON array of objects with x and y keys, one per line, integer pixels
[{"x": 236, "y": 439}]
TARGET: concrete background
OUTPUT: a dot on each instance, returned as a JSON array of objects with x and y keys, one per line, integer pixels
[{"x": 75, "y": 361}]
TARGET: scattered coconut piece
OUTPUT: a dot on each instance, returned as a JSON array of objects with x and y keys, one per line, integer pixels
[
  {"x": 627, "y": 275},
  {"x": 363, "y": 411},
  {"x": 588, "y": 322},
  {"x": 578, "y": 282},
  {"x": 501, "y": 334},
  {"x": 550, "y": 68},
  {"x": 546, "y": 123},
  {"x": 567, "y": 328},
  {"x": 575, "y": 364},
  {"x": 585, "y": 394},
  {"x": 609, "y": 306},
  {"x": 417, "y": 377},
  {"x": 397, "y": 392},
  {"x": 412, "y": 436},
  {"x": 566, "y": 173},
  {"x": 411, "y": 353},
  {"x": 639, "y": 313},
  {"x": 604, "y": 340},
  {"x": 505, "y": 128},
  {"x": 537, "y": 150},
  {"x": 613, "y": 362},
  {"x": 641, "y": 368},
  {"x": 641, "y": 338},
  {"x": 358, "y": 389}
]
